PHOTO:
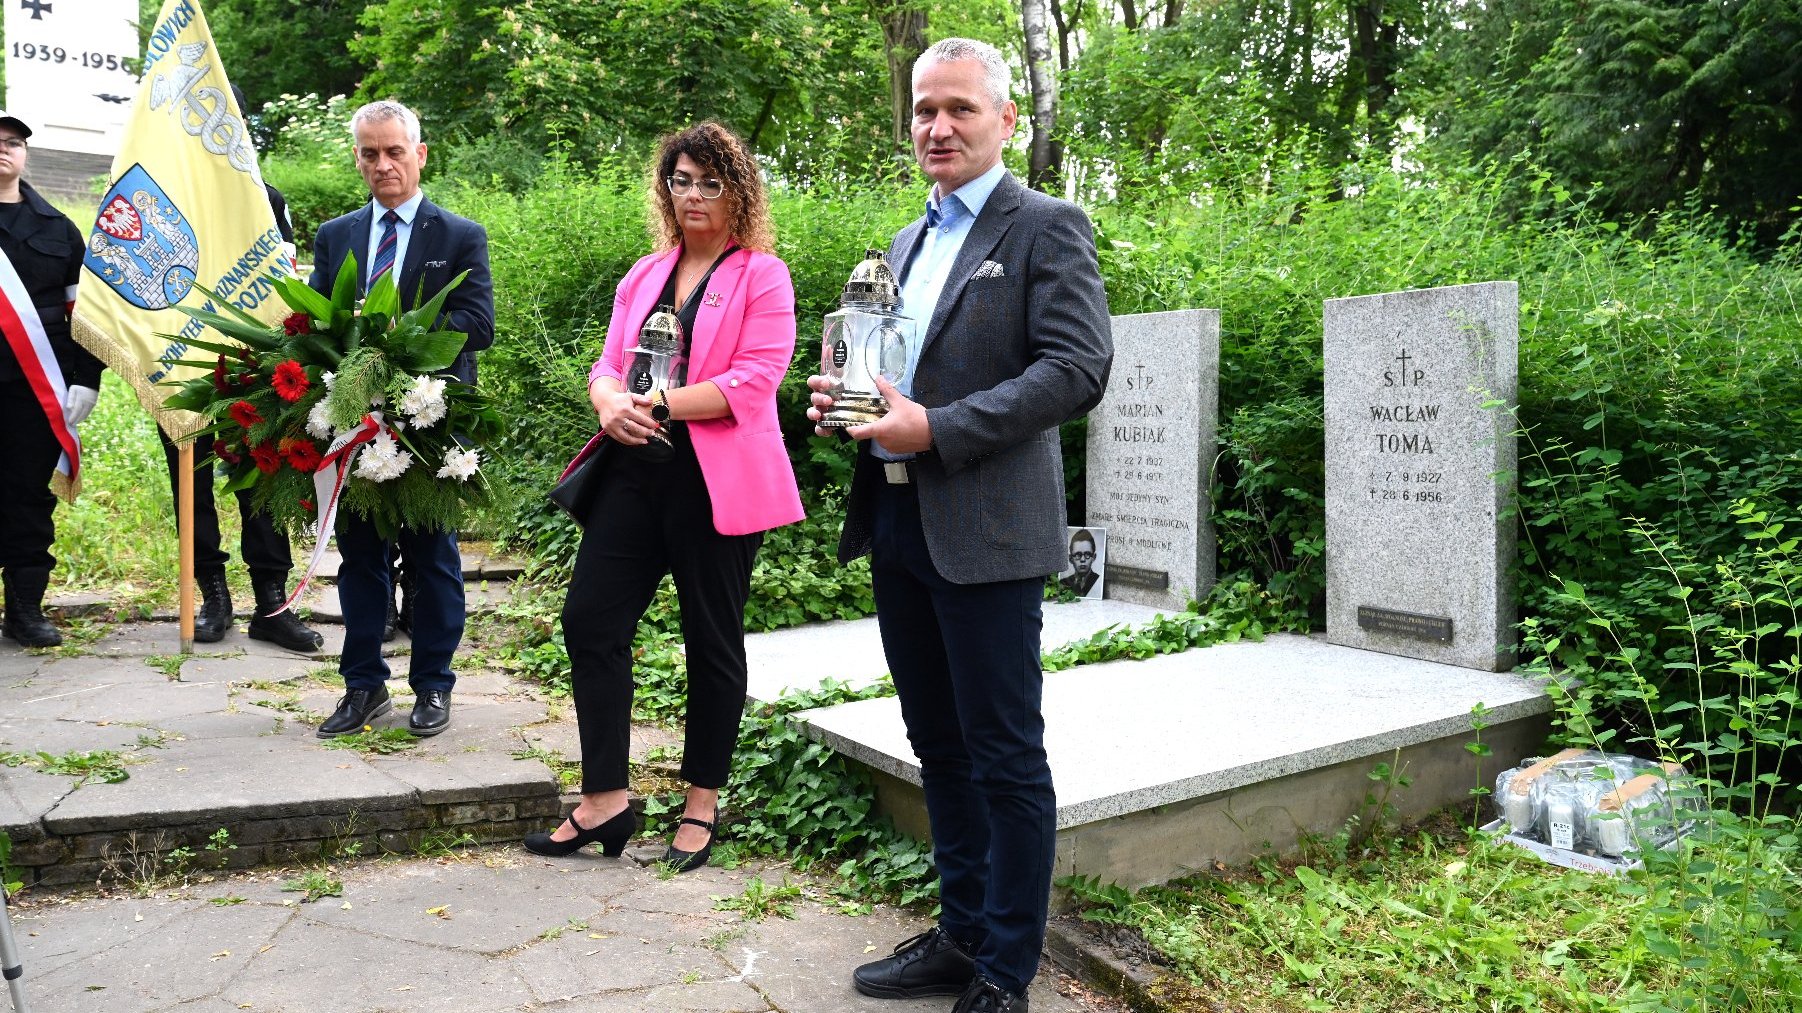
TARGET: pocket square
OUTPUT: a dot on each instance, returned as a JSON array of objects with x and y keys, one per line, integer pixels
[
  {"x": 988, "y": 269},
  {"x": 436, "y": 263}
]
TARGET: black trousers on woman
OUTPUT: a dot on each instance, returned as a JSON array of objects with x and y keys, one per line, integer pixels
[{"x": 649, "y": 519}]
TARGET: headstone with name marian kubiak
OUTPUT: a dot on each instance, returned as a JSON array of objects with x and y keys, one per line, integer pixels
[
  {"x": 1420, "y": 466},
  {"x": 1151, "y": 440}
]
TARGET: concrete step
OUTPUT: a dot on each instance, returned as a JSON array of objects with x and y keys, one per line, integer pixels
[
  {"x": 800, "y": 657},
  {"x": 1170, "y": 764}
]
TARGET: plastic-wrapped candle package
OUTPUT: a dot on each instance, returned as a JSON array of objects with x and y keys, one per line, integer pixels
[{"x": 1593, "y": 802}]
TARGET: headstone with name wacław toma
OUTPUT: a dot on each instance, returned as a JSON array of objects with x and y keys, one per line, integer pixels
[{"x": 1420, "y": 467}]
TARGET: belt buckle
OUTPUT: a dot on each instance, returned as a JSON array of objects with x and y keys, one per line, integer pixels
[{"x": 896, "y": 472}]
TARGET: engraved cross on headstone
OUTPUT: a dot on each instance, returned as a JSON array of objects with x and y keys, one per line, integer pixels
[{"x": 38, "y": 8}]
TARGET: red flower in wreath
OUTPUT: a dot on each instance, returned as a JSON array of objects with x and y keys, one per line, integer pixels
[
  {"x": 267, "y": 459},
  {"x": 296, "y": 323},
  {"x": 245, "y": 414},
  {"x": 304, "y": 456},
  {"x": 224, "y": 453},
  {"x": 219, "y": 383},
  {"x": 306, "y": 504},
  {"x": 290, "y": 381}
]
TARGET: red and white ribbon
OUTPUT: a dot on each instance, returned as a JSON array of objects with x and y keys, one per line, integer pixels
[
  {"x": 37, "y": 360},
  {"x": 328, "y": 485}
]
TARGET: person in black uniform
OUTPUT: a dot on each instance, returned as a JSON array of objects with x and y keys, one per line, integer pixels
[
  {"x": 265, "y": 549},
  {"x": 43, "y": 250}
]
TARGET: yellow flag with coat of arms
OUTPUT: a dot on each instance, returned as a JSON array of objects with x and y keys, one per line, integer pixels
[{"x": 186, "y": 210}]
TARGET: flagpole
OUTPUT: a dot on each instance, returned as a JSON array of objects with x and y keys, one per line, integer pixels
[{"x": 184, "y": 526}]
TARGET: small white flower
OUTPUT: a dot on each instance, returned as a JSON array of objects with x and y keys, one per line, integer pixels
[
  {"x": 460, "y": 464},
  {"x": 424, "y": 401},
  {"x": 319, "y": 424},
  {"x": 382, "y": 460},
  {"x": 327, "y": 378}
]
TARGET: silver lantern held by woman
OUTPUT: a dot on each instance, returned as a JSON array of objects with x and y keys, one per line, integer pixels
[
  {"x": 656, "y": 365},
  {"x": 866, "y": 337}
]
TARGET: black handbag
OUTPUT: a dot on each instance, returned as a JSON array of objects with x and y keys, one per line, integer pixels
[{"x": 575, "y": 492}]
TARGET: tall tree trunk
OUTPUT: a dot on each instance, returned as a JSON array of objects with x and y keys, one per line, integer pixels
[
  {"x": 1041, "y": 73},
  {"x": 1129, "y": 15},
  {"x": 1374, "y": 50},
  {"x": 903, "y": 40},
  {"x": 1173, "y": 10}
]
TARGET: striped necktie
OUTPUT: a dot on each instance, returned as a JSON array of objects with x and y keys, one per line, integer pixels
[{"x": 384, "y": 254}]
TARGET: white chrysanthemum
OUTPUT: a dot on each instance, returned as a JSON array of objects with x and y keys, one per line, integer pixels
[
  {"x": 319, "y": 425},
  {"x": 327, "y": 377},
  {"x": 460, "y": 464},
  {"x": 424, "y": 401},
  {"x": 382, "y": 460}
]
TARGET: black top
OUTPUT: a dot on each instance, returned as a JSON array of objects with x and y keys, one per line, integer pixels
[
  {"x": 46, "y": 250},
  {"x": 689, "y": 308}
]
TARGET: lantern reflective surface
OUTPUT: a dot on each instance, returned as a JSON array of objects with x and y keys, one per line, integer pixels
[
  {"x": 655, "y": 365},
  {"x": 865, "y": 338}
]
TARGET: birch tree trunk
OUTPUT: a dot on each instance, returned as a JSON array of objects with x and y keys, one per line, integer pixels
[{"x": 1041, "y": 74}]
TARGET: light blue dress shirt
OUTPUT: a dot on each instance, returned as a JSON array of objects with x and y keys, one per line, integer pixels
[
  {"x": 403, "y": 230},
  {"x": 948, "y": 222}
]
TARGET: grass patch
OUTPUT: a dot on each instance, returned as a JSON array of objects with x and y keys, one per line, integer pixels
[
  {"x": 568, "y": 772},
  {"x": 760, "y": 900},
  {"x": 375, "y": 741},
  {"x": 1441, "y": 919},
  {"x": 314, "y": 885},
  {"x": 168, "y": 664}
]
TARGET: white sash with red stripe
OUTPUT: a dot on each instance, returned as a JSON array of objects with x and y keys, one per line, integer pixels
[{"x": 37, "y": 360}]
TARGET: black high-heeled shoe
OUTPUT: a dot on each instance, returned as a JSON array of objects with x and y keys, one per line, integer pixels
[
  {"x": 611, "y": 834},
  {"x": 686, "y": 861}
]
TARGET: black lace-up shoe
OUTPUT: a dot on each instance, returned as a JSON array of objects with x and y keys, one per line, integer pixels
[
  {"x": 930, "y": 963},
  {"x": 358, "y": 708},
  {"x": 984, "y": 996}
]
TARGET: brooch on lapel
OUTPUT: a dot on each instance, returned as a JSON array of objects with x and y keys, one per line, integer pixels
[{"x": 711, "y": 299}]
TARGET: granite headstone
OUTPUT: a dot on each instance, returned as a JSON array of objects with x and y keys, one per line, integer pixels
[
  {"x": 1420, "y": 467},
  {"x": 1151, "y": 440}
]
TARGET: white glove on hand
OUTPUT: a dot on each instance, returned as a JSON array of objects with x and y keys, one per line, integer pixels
[{"x": 79, "y": 403}]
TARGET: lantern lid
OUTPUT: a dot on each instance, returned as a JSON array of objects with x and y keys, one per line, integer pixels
[
  {"x": 872, "y": 283},
  {"x": 662, "y": 331}
]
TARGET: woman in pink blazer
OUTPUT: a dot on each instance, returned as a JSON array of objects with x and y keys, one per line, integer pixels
[{"x": 690, "y": 480}]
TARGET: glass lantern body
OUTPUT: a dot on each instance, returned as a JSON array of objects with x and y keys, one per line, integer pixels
[{"x": 861, "y": 343}]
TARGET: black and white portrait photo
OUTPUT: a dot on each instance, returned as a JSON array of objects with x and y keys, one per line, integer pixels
[{"x": 1088, "y": 560}]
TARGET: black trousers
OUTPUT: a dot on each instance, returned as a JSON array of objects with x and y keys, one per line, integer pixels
[
  {"x": 965, "y": 658},
  {"x": 647, "y": 520},
  {"x": 26, "y": 502},
  {"x": 265, "y": 549}
]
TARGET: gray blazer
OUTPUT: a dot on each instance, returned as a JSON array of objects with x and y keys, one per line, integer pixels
[{"x": 1007, "y": 357}]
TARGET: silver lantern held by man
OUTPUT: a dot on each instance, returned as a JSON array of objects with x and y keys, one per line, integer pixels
[
  {"x": 866, "y": 337},
  {"x": 656, "y": 365}
]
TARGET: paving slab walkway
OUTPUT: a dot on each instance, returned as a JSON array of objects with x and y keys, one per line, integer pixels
[{"x": 492, "y": 929}]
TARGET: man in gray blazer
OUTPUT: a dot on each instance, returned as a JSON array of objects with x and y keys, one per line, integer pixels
[{"x": 958, "y": 495}]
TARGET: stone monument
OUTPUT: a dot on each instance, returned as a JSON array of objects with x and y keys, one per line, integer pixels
[
  {"x": 1151, "y": 442},
  {"x": 1420, "y": 470}
]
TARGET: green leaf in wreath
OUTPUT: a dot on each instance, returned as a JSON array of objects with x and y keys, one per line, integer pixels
[
  {"x": 344, "y": 289},
  {"x": 427, "y": 316},
  {"x": 383, "y": 297},
  {"x": 302, "y": 299},
  {"x": 430, "y": 352}
]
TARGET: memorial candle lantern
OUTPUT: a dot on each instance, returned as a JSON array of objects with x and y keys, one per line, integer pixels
[
  {"x": 655, "y": 366},
  {"x": 866, "y": 337}
]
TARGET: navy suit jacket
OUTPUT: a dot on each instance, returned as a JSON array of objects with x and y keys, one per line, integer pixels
[
  {"x": 1008, "y": 356},
  {"x": 442, "y": 246}
]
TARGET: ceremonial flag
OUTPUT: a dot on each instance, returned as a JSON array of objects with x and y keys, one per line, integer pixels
[{"x": 186, "y": 208}]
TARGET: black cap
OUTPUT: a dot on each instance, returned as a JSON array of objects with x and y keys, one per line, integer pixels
[{"x": 9, "y": 120}]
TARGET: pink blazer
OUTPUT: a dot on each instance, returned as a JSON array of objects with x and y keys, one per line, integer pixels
[{"x": 743, "y": 342}]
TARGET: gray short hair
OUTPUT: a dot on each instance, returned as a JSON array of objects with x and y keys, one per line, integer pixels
[
  {"x": 383, "y": 110},
  {"x": 996, "y": 75}
]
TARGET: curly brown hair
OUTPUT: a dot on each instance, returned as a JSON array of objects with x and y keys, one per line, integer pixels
[{"x": 720, "y": 154}]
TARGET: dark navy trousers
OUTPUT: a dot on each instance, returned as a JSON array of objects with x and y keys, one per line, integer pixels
[
  {"x": 364, "y": 591},
  {"x": 965, "y": 659}
]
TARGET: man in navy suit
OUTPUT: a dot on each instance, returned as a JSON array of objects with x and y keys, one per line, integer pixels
[
  {"x": 958, "y": 497},
  {"x": 400, "y": 231}
]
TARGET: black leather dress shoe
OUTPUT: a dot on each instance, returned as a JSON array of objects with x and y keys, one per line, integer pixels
[
  {"x": 984, "y": 996},
  {"x": 930, "y": 963},
  {"x": 358, "y": 708},
  {"x": 431, "y": 713}
]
